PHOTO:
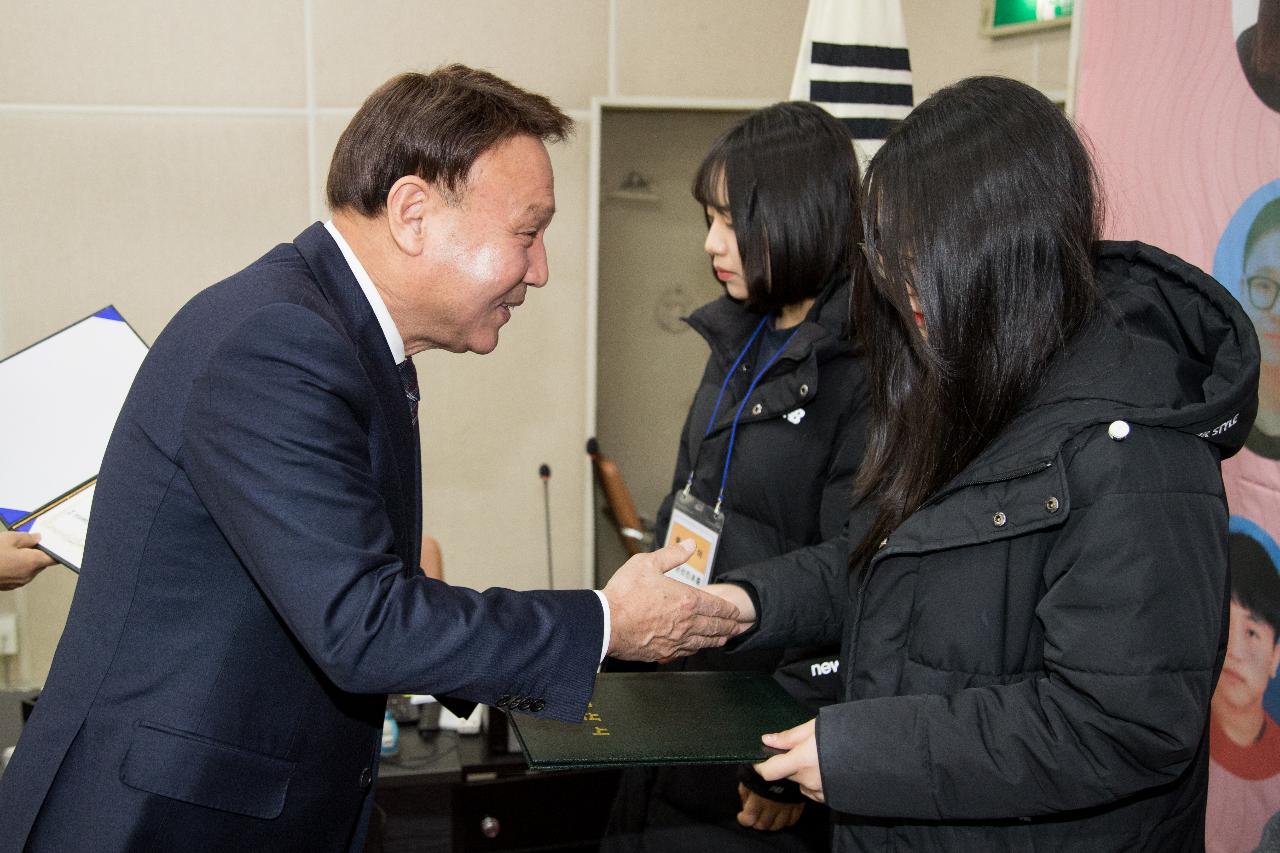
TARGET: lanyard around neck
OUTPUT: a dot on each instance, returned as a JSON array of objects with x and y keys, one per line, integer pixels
[{"x": 733, "y": 432}]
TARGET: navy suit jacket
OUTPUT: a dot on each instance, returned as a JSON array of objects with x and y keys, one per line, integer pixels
[{"x": 251, "y": 590}]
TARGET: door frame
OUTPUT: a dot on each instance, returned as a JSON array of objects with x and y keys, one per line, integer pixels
[{"x": 598, "y": 106}]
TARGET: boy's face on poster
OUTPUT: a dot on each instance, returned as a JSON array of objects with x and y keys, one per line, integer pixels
[{"x": 1252, "y": 658}]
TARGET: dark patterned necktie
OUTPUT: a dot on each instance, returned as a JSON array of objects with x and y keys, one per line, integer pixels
[{"x": 409, "y": 378}]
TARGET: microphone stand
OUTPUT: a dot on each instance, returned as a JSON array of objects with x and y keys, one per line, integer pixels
[{"x": 544, "y": 471}]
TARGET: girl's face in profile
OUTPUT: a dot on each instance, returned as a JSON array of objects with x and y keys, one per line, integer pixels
[
  {"x": 722, "y": 245},
  {"x": 913, "y": 298}
]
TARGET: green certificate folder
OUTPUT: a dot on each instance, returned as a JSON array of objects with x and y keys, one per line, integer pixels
[{"x": 640, "y": 718}]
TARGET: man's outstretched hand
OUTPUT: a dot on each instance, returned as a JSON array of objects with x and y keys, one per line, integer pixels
[{"x": 654, "y": 618}]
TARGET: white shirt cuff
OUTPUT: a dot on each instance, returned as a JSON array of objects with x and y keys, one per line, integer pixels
[{"x": 604, "y": 604}]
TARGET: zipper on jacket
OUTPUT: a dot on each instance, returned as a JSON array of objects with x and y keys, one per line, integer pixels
[{"x": 857, "y": 622}]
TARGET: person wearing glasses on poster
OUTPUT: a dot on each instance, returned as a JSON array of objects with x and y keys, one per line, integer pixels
[{"x": 1259, "y": 289}]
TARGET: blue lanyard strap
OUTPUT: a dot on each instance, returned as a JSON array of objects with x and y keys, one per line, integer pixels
[
  {"x": 733, "y": 433},
  {"x": 728, "y": 377}
]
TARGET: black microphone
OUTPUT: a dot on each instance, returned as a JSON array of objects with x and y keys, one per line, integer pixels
[{"x": 544, "y": 471}]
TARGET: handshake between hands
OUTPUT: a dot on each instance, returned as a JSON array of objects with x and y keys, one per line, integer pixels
[{"x": 655, "y": 618}]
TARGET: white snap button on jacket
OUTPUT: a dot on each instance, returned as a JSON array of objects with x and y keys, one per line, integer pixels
[{"x": 1118, "y": 430}]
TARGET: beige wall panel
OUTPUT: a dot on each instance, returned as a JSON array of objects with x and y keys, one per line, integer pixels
[
  {"x": 708, "y": 48},
  {"x": 1053, "y": 60},
  {"x": 490, "y": 421},
  {"x": 557, "y": 47},
  {"x": 10, "y": 668},
  {"x": 230, "y": 53},
  {"x": 42, "y": 612},
  {"x": 141, "y": 212},
  {"x": 947, "y": 44}
]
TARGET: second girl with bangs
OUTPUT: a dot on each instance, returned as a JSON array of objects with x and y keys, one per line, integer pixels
[{"x": 773, "y": 437}]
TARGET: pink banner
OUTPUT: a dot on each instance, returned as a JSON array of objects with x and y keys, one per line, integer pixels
[{"x": 1181, "y": 102}]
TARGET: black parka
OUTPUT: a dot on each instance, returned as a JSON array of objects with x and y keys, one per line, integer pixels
[
  {"x": 799, "y": 443},
  {"x": 1028, "y": 659}
]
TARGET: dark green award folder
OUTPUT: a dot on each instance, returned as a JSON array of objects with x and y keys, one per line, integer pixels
[{"x": 639, "y": 718}]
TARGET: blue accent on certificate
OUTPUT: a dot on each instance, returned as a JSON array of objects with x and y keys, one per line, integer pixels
[
  {"x": 9, "y": 516},
  {"x": 110, "y": 313}
]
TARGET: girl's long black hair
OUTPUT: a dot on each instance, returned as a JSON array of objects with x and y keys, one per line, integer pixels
[{"x": 984, "y": 201}]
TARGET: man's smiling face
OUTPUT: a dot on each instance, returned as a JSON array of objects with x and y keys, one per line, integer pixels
[{"x": 483, "y": 251}]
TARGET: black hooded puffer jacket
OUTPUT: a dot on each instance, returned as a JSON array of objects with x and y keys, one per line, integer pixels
[{"x": 1027, "y": 661}]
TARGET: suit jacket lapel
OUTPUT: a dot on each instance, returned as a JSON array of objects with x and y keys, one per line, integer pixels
[{"x": 343, "y": 292}]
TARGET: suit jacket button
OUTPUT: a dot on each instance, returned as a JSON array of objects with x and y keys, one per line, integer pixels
[
  {"x": 503, "y": 700},
  {"x": 537, "y": 705},
  {"x": 366, "y": 777},
  {"x": 525, "y": 703}
]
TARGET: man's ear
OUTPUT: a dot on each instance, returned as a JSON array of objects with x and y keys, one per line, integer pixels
[
  {"x": 1275, "y": 659},
  {"x": 409, "y": 206}
]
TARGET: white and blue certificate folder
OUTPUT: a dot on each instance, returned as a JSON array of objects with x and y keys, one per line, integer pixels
[{"x": 71, "y": 387}]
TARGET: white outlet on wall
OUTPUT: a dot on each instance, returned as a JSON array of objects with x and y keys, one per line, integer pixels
[{"x": 8, "y": 634}]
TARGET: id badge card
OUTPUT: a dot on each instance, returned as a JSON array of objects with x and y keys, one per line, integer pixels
[{"x": 698, "y": 521}]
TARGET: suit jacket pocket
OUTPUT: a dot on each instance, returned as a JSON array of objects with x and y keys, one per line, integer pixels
[{"x": 195, "y": 769}]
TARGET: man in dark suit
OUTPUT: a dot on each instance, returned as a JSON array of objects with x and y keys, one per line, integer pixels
[{"x": 251, "y": 588}]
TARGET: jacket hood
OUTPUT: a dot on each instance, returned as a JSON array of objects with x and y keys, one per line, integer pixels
[{"x": 1168, "y": 347}]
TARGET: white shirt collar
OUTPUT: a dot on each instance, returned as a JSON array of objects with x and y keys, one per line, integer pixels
[{"x": 394, "y": 341}]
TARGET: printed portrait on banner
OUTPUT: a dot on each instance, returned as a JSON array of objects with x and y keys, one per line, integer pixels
[
  {"x": 1247, "y": 263},
  {"x": 1244, "y": 740}
]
